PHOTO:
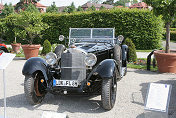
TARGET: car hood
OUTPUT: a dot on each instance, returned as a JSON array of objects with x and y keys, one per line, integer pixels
[{"x": 94, "y": 47}]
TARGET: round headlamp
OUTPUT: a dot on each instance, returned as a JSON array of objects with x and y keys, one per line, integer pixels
[
  {"x": 51, "y": 58},
  {"x": 90, "y": 59}
]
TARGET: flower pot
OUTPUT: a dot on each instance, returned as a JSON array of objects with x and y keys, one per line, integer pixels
[
  {"x": 16, "y": 47},
  {"x": 166, "y": 62},
  {"x": 30, "y": 50}
]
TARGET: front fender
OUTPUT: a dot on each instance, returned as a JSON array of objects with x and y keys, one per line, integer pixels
[
  {"x": 106, "y": 68},
  {"x": 35, "y": 64}
]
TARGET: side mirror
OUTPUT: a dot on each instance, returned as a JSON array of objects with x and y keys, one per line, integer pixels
[{"x": 61, "y": 38}]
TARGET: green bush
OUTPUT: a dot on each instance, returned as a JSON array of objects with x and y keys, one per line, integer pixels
[
  {"x": 131, "y": 50},
  {"x": 46, "y": 47},
  {"x": 141, "y": 26}
]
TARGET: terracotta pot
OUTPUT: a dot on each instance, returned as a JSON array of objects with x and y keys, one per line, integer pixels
[
  {"x": 30, "y": 50},
  {"x": 166, "y": 62},
  {"x": 16, "y": 47}
]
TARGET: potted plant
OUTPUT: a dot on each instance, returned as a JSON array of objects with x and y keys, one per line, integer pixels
[
  {"x": 16, "y": 46},
  {"x": 166, "y": 59},
  {"x": 30, "y": 25}
]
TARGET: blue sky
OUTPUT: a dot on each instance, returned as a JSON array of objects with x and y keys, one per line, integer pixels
[{"x": 49, "y": 2}]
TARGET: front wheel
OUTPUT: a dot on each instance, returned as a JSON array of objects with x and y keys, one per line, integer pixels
[
  {"x": 34, "y": 89},
  {"x": 108, "y": 96}
]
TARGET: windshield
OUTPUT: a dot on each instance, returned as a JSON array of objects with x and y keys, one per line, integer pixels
[{"x": 79, "y": 35}]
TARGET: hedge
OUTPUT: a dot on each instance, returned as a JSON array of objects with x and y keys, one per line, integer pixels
[{"x": 144, "y": 28}]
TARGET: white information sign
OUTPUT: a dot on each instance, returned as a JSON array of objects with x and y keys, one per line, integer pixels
[
  {"x": 53, "y": 115},
  {"x": 158, "y": 97},
  {"x": 5, "y": 59}
]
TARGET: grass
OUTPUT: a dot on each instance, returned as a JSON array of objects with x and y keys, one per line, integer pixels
[
  {"x": 144, "y": 50},
  {"x": 141, "y": 63}
]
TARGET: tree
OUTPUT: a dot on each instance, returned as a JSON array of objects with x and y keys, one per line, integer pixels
[
  {"x": 65, "y": 10},
  {"x": 166, "y": 8},
  {"x": 80, "y": 8},
  {"x": 121, "y": 2},
  {"x": 71, "y": 8},
  {"x": 32, "y": 8},
  {"x": 22, "y": 4},
  {"x": 8, "y": 9},
  {"x": 29, "y": 25},
  {"x": 110, "y": 2},
  {"x": 52, "y": 8},
  {"x": 102, "y": 8},
  {"x": 3, "y": 29},
  {"x": 134, "y": 1},
  {"x": 92, "y": 8},
  {"x": 95, "y": 1}
]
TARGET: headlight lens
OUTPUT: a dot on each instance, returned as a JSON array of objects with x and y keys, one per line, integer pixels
[
  {"x": 90, "y": 59},
  {"x": 51, "y": 58}
]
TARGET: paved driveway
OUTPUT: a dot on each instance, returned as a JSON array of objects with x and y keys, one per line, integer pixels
[{"x": 134, "y": 83}]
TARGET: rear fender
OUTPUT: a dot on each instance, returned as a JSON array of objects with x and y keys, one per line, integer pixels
[{"x": 35, "y": 64}]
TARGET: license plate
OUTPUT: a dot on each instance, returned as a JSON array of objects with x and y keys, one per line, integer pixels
[{"x": 69, "y": 83}]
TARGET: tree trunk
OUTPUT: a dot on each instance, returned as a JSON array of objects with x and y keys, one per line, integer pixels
[{"x": 167, "y": 37}]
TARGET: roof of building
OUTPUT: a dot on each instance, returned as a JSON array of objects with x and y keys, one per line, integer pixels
[
  {"x": 139, "y": 5},
  {"x": 1, "y": 6},
  {"x": 119, "y": 6},
  {"x": 88, "y": 5},
  {"x": 39, "y": 5}
]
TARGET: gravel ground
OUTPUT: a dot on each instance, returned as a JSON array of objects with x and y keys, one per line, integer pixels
[{"x": 133, "y": 84}]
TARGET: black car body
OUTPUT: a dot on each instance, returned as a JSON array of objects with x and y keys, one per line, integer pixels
[
  {"x": 3, "y": 48},
  {"x": 93, "y": 63}
]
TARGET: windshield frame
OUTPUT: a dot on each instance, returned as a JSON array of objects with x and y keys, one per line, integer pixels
[{"x": 91, "y": 35}]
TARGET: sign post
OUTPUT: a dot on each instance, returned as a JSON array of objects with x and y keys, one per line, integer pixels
[
  {"x": 5, "y": 60},
  {"x": 157, "y": 100}
]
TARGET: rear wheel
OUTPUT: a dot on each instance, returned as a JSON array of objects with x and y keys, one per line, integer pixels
[
  {"x": 108, "y": 95},
  {"x": 34, "y": 89}
]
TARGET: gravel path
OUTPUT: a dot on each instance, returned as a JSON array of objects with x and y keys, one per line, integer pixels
[{"x": 134, "y": 83}]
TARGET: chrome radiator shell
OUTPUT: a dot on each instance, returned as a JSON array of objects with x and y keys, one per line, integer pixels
[{"x": 73, "y": 66}]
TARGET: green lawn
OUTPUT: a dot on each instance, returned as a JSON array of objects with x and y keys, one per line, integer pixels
[{"x": 141, "y": 63}]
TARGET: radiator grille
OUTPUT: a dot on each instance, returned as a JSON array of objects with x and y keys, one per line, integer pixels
[{"x": 73, "y": 66}]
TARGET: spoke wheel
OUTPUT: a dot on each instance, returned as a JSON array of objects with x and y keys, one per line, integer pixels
[{"x": 34, "y": 89}]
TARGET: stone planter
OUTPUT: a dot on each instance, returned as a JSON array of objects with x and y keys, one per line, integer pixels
[
  {"x": 166, "y": 62},
  {"x": 30, "y": 50},
  {"x": 16, "y": 47}
]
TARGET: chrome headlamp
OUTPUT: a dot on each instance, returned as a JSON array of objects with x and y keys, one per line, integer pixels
[
  {"x": 51, "y": 58},
  {"x": 90, "y": 59}
]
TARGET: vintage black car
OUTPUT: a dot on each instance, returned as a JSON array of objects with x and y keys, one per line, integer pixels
[
  {"x": 92, "y": 64},
  {"x": 3, "y": 47}
]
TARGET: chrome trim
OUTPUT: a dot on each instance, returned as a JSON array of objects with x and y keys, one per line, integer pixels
[{"x": 75, "y": 67}]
